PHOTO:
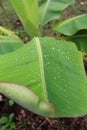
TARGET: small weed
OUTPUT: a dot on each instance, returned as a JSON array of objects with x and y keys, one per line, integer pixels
[
  {"x": 11, "y": 102},
  {"x": 6, "y": 123}
]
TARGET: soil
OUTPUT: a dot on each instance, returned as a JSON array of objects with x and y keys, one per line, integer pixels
[{"x": 26, "y": 120}]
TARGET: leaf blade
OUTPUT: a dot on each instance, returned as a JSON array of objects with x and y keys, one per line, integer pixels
[
  {"x": 71, "y": 26},
  {"x": 49, "y": 9},
  {"x": 27, "y": 11},
  {"x": 65, "y": 78},
  {"x": 9, "y": 41}
]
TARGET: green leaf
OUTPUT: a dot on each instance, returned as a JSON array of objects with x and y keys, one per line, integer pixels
[
  {"x": 3, "y": 120},
  {"x": 11, "y": 103},
  {"x": 9, "y": 41},
  {"x": 75, "y": 26},
  {"x": 4, "y": 127},
  {"x": 27, "y": 11},
  {"x": 80, "y": 39},
  {"x": 51, "y": 9},
  {"x": 71, "y": 26},
  {"x": 52, "y": 75},
  {"x": 10, "y": 118}
]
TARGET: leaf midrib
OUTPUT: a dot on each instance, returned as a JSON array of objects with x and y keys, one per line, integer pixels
[{"x": 43, "y": 83}]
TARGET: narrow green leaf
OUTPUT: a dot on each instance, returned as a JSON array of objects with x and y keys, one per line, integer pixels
[
  {"x": 71, "y": 26},
  {"x": 27, "y": 11},
  {"x": 51, "y": 9},
  {"x": 54, "y": 76}
]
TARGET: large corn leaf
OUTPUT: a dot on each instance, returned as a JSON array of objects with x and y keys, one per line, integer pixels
[
  {"x": 51, "y": 9},
  {"x": 54, "y": 72},
  {"x": 27, "y": 11},
  {"x": 9, "y": 41}
]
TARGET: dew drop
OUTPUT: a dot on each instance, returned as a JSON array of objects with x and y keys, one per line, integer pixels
[
  {"x": 68, "y": 102},
  {"x": 16, "y": 59},
  {"x": 9, "y": 75},
  {"x": 62, "y": 52},
  {"x": 46, "y": 55},
  {"x": 67, "y": 52},
  {"x": 48, "y": 62},
  {"x": 65, "y": 96},
  {"x": 59, "y": 50},
  {"x": 23, "y": 58},
  {"x": 64, "y": 90},
  {"x": 55, "y": 78},
  {"x": 53, "y": 48},
  {"x": 38, "y": 85},
  {"x": 68, "y": 57},
  {"x": 31, "y": 81}
]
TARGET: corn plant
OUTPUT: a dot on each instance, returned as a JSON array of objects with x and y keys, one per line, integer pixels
[{"x": 45, "y": 75}]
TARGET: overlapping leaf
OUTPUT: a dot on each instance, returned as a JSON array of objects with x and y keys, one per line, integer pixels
[
  {"x": 27, "y": 11},
  {"x": 53, "y": 70},
  {"x": 35, "y": 12},
  {"x": 80, "y": 39},
  {"x": 71, "y": 26},
  {"x": 75, "y": 26},
  {"x": 51, "y": 9},
  {"x": 9, "y": 41}
]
